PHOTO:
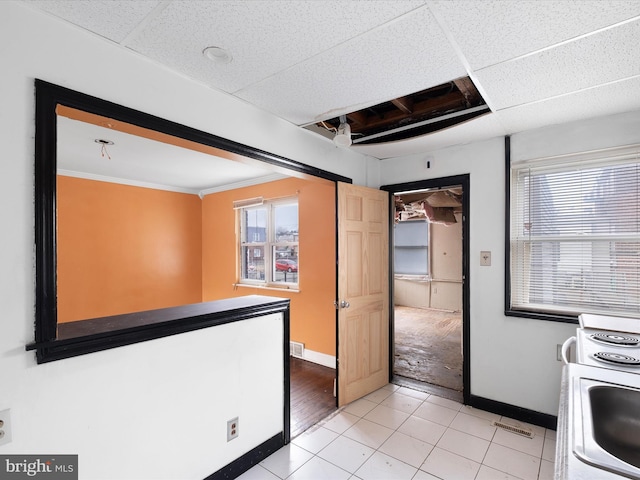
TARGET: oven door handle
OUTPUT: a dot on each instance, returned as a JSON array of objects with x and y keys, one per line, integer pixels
[{"x": 565, "y": 349}]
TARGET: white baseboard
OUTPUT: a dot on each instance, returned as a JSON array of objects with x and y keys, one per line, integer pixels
[{"x": 320, "y": 358}]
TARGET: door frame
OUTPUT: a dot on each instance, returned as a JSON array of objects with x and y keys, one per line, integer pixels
[{"x": 441, "y": 182}]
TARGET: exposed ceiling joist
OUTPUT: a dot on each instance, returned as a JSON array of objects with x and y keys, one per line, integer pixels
[
  {"x": 418, "y": 108},
  {"x": 405, "y": 104}
]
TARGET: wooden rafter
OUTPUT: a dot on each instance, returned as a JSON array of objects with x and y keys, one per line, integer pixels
[
  {"x": 405, "y": 104},
  {"x": 358, "y": 118},
  {"x": 425, "y": 108},
  {"x": 468, "y": 90},
  {"x": 455, "y": 96}
]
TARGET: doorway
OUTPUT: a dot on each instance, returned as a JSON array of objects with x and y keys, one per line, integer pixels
[{"x": 430, "y": 244}]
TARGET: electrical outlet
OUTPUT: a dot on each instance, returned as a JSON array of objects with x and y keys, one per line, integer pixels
[
  {"x": 5, "y": 426},
  {"x": 485, "y": 259},
  {"x": 232, "y": 429}
]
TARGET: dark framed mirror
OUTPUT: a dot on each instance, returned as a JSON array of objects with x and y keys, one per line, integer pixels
[{"x": 49, "y": 343}]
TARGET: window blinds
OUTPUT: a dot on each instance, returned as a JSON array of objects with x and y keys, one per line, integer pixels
[{"x": 574, "y": 233}]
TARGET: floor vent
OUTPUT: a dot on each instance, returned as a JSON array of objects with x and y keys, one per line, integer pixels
[
  {"x": 296, "y": 349},
  {"x": 510, "y": 428}
]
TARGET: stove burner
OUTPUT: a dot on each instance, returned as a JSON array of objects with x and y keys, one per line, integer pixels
[
  {"x": 617, "y": 359},
  {"x": 615, "y": 339}
]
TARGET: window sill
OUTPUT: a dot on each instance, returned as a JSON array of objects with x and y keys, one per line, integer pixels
[
  {"x": 413, "y": 278},
  {"x": 266, "y": 287},
  {"x": 550, "y": 317},
  {"x": 93, "y": 335}
]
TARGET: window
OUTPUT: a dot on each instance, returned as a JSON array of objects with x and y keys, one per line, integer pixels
[
  {"x": 574, "y": 234},
  {"x": 269, "y": 243},
  {"x": 411, "y": 248}
]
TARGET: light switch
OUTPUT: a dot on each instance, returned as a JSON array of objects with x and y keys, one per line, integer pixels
[{"x": 485, "y": 259}]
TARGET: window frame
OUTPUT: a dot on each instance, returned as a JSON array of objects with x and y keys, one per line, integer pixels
[
  {"x": 533, "y": 311},
  {"x": 426, "y": 248},
  {"x": 268, "y": 246}
]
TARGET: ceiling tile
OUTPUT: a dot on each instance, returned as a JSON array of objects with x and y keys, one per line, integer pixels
[
  {"x": 605, "y": 100},
  {"x": 402, "y": 57},
  {"x": 262, "y": 37},
  {"x": 604, "y": 57},
  {"x": 490, "y": 32},
  {"x": 113, "y": 19}
]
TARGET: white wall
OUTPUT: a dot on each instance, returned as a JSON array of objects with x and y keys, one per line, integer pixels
[
  {"x": 156, "y": 409},
  {"x": 513, "y": 360}
]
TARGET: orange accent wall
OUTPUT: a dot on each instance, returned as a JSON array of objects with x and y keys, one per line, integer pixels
[
  {"x": 125, "y": 249},
  {"x": 313, "y": 316}
]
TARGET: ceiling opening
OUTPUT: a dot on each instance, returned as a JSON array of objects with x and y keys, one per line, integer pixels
[
  {"x": 436, "y": 205},
  {"x": 413, "y": 115}
]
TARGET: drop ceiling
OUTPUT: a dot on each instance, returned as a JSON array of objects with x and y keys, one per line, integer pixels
[{"x": 535, "y": 63}]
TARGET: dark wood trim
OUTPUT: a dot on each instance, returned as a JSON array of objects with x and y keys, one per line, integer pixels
[
  {"x": 154, "y": 324},
  {"x": 507, "y": 223},
  {"x": 48, "y": 97},
  {"x": 466, "y": 295},
  {"x": 508, "y": 311},
  {"x": 392, "y": 313},
  {"x": 45, "y": 214},
  {"x": 550, "y": 317},
  {"x": 287, "y": 376},
  {"x": 517, "y": 413},
  {"x": 465, "y": 181},
  {"x": 249, "y": 459},
  {"x": 57, "y": 95},
  {"x": 337, "y": 293}
]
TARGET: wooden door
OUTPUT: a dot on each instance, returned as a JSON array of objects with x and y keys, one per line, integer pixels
[{"x": 363, "y": 291}]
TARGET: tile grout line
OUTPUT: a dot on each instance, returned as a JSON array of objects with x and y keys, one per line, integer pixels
[{"x": 395, "y": 430}]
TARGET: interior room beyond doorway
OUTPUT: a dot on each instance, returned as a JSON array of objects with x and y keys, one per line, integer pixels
[{"x": 428, "y": 293}]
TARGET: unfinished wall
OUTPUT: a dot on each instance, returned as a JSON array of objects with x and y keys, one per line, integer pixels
[
  {"x": 444, "y": 289},
  {"x": 446, "y": 265}
]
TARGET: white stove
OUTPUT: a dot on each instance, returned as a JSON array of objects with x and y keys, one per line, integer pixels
[
  {"x": 609, "y": 323},
  {"x": 608, "y": 349}
]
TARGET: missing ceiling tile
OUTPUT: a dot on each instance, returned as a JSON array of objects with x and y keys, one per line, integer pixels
[{"x": 413, "y": 115}]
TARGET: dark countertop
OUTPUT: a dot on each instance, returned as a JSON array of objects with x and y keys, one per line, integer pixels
[
  {"x": 217, "y": 308},
  {"x": 95, "y": 334}
]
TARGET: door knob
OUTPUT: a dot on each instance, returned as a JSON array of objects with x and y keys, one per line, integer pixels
[{"x": 342, "y": 304}]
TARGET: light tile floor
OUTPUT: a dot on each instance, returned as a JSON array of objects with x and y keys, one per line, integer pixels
[{"x": 399, "y": 433}]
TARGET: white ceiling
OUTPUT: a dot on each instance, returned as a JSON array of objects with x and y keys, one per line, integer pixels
[
  {"x": 536, "y": 62},
  {"x": 139, "y": 161}
]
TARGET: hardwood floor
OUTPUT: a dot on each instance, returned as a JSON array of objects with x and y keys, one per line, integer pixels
[{"x": 311, "y": 394}]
